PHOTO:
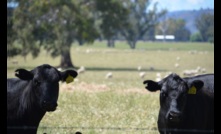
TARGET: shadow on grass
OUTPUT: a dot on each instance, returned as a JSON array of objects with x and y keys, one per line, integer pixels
[
  {"x": 123, "y": 69},
  {"x": 101, "y": 69}
]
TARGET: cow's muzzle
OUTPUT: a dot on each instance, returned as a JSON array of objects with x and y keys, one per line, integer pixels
[
  {"x": 49, "y": 106},
  {"x": 174, "y": 116}
]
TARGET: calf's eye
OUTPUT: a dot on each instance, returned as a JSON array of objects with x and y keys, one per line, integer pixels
[
  {"x": 164, "y": 94},
  {"x": 37, "y": 82}
]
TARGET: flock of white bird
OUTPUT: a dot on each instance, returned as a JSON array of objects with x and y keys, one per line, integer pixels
[{"x": 142, "y": 74}]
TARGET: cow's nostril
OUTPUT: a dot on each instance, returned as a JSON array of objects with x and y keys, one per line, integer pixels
[
  {"x": 174, "y": 114},
  {"x": 44, "y": 103}
]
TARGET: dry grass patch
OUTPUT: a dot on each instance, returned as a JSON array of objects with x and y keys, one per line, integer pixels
[{"x": 83, "y": 86}]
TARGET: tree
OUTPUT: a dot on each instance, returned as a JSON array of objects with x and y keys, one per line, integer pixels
[
  {"x": 205, "y": 25},
  {"x": 13, "y": 49},
  {"x": 69, "y": 21},
  {"x": 113, "y": 16},
  {"x": 140, "y": 19},
  {"x": 163, "y": 27},
  {"x": 174, "y": 27},
  {"x": 55, "y": 25},
  {"x": 181, "y": 32},
  {"x": 196, "y": 37},
  {"x": 23, "y": 26}
]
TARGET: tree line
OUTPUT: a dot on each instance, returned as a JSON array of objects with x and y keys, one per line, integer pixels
[{"x": 55, "y": 25}]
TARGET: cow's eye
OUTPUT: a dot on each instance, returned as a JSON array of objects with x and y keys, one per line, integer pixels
[
  {"x": 182, "y": 95},
  {"x": 37, "y": 82},
  {"x": 164, "y": 94}
]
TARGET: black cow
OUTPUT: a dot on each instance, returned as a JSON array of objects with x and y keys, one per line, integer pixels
[
  {"x": 186, "y": 104},
  {"x": 31, "y": 95}
]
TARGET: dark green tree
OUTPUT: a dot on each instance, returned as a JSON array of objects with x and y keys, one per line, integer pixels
[
  {"x": 12, "y": 49},
  {"x": 54, "y": 25},
  {"x": 23, "y": 25},
  {"x": 69, "y": 21},
  {"x": 205, "y": 25},
  {"x": 196, "y": 37},
  {"x": 141, "y": 19},
  {"x": 174, "y": 27},
  {"x": 113, "y": 16}
]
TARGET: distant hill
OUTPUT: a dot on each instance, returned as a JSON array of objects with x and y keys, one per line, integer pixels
[{"x": 189, "y": 16}]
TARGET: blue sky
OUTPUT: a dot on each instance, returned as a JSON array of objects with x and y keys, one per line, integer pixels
[{"x": 175, "y": 5}]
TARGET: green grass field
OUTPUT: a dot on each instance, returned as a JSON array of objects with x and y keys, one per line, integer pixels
[{"x": 121, "y": 104}]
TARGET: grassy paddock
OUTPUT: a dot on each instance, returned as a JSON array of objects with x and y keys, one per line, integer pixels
[{"x": 94, "y": 105}]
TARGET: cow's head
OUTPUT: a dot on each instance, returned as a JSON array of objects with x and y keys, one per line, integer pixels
[
  {"x": 173, "y": 94},
  {"x": 44, "y": 83}
]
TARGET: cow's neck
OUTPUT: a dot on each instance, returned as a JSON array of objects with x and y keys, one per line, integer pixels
[{"x": 29, "y": 107}]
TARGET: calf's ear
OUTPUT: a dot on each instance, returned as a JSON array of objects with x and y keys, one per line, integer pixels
[
  {"x": 152, "y": 85},
  {"x": 24, "y": 74},
  {"x": 68, "y": 75},
  {"x": 195, "y": 86}
]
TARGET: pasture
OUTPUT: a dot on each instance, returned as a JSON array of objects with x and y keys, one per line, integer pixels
[{"x": 121, "y": 104}]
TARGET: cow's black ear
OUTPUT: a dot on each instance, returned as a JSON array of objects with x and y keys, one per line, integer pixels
[
  {"x": 152, "y": 85},
  {"x": 198, "y": 84},
  {"x": 24, "y": 74},
  {"x": 68, "y": 75},
  {"x": 195, "y": 86}
]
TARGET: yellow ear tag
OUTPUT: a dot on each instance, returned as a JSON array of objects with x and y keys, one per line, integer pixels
[
  {"x": 69, "y": 79},
  {"x": 192, "y": 90}
]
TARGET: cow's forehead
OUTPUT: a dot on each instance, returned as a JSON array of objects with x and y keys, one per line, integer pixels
[
  {"x": 47, "y": 72},
  {"x": 174, "y": 83}
]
